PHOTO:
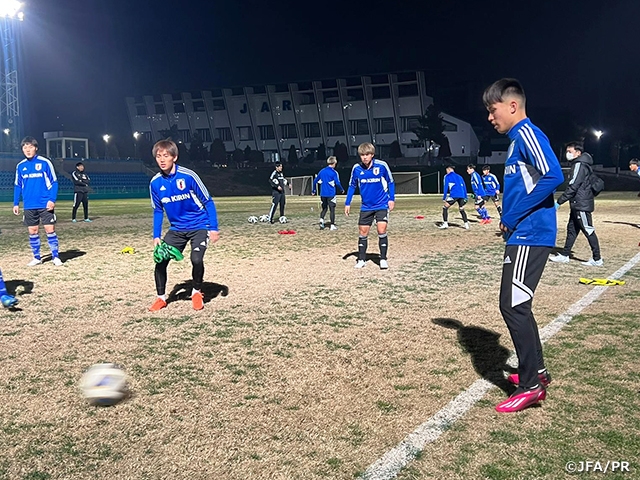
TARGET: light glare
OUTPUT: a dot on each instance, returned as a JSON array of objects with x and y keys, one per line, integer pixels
[
  {"x": 106, "y": 137},
  {"x": 11, "y": 9}
]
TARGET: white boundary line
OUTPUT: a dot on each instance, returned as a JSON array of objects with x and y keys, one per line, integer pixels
[{"x": 390, "y": 464}]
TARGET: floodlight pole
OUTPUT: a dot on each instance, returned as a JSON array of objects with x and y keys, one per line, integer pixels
[{"x": 10, "y": 115}]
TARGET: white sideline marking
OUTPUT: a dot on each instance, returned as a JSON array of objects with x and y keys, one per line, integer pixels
[{"x": 390, "y": 464}]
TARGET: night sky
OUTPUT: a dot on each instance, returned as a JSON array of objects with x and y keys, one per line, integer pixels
[{"x": 83, "y": 57}]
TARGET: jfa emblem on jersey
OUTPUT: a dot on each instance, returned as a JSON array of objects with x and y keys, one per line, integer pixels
[
  {"x": 180, "y": 184},
  {"x": 376, "y": 170},
  {"x": 38, "y": 166},
  {"x": 510, "y": 151}
]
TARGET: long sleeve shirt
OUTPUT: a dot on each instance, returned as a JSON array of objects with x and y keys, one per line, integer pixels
[
  {"x": 376, "y": 185},
  {"x": 454, "y": 187},
  {"x": 328, "y": 180},
  {"x": 491, "y": 184},
  {"x": 36, "y": 181}
]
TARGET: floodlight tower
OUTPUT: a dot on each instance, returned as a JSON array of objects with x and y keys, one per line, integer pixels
[{"x": 10, "y": 116}]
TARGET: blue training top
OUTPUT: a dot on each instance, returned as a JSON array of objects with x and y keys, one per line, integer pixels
[
  {"x": 37, "y": 182},
  {"x": 476, "y": 185},
  {"x": 186, "y": 201},
  {"x": 328, "y": 179},
  {"x": 531, "y": 175},
  {"x": 454, "y": 186},
  {"x": 376, "y": 185},
  {"x": 491, "y": 184}
]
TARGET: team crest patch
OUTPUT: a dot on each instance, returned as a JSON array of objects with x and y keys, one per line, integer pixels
[
  {"x": 510, "y": 150},
  {"x": 38, "y": 166},
  {"x": 376, "y": 170},
  {"x": 181, "y": 184}
]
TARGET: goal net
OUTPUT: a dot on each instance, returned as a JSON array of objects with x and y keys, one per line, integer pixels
[
  {"x": 408, "y": 182},
  {"x": 300, "y": 185}
]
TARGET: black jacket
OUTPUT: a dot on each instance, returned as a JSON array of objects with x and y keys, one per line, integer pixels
[
  {"x": 578, "y": 192},
  {"x": 277, "y": 180},
  {"x": 80, "y": 181}
]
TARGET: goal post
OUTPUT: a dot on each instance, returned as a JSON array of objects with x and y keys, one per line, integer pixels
[
  {"x": 300, "y": 185},
  {"x": 408, "y": 183}
]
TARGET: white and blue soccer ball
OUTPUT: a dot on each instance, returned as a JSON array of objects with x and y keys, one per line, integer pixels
[
  {"x": 283, "y": 219},
  {"x": 252, "y": 219},
  {"x": 264, "y": 218},
  {"x": 104, "y": 384}
]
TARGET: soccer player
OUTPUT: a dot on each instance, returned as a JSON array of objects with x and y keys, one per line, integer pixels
[
  {"x": 36, "y": 181},
  {"x": 492, "y": 187},
  {"x": 581, "y": 200},
  {"x": 278, "y": 184},
  {"x": 479, "y": 193},
  {"x": 633, "y": 166},
  {"x": 455, "y": 191},
  {"x": 531, "y": 175},
  {"x": 179, "y": 192},
  {"x": 80, "y": 192},
  {"x": 8, "y": 301},
  {"x": 378, "y": 194},
  {"x": 328, "y": 179}
]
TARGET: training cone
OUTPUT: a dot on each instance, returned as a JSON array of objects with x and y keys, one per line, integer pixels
[{"x": 419, "y": 217}]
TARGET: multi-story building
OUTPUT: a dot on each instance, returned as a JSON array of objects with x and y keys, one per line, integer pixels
[{"x": 377, "y": 108}]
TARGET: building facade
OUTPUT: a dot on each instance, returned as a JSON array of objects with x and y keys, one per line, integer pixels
[{"x": 378, "y": 108}]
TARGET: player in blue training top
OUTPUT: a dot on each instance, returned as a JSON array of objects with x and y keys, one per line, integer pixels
[
  {"x": 36, "y": 181},
  {"x": 455, "y": 191},
  {"x": 179, "y": 192},
  {"x": 329, "y": 181},
  {"x": 479, "y": 193},
  {"x": 378, "y": 194},
  {"x": 492, "y": 187},
  {"x": 531, "y": 175}
]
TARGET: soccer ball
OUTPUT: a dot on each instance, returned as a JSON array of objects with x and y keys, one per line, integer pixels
[
  {"x": 283, "y": 219},
  {"x": 264, "y": 218},
  {"x": 104, "y": 384},
  {"x": 252, "y": 219}
]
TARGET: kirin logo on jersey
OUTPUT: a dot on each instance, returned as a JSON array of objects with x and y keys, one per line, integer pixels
[
  {"x": 181, "y": 184},
  {"x": 38, "y": 166},
  {"x": 376, "y": 170}
]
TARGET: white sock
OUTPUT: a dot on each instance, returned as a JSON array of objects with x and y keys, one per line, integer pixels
[
  {"x": 194, "y": 291},
  {"x": 162, "y": 297}
]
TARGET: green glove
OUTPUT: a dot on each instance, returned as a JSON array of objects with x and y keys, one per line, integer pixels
[{"x": 164, "y": 252}]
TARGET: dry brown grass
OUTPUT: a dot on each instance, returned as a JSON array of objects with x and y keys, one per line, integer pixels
[{"x": 305, "y": 369}]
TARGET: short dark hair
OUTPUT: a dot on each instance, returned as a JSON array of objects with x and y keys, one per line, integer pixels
[
  {"x": 29, "y": 141},
  {"x": 452, "y": 167},
  {"x": 486, "y": 167},
  {"x": 471, "y": 165},
  {"x": 79, "y": 163},
  {"x": 576, "y": 146},
  {"x": 634, "y": 161},
  {"x": 278, "y": 164},
  {"x": 497, "y": 91}
]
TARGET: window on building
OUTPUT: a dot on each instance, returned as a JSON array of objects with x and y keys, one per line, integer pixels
[
  {"x": 218, "y": 104},
  {"x": 307, "y": 98},
  {"x": 237, "y": 91},
  {"x": 311, "y": 130},
  {"x": 281, "y": 88},
  {"x": 185, "y": 135},
  {"x": 378, "y": 79},
  {"x": 178, "y": 107},
  {"x": 353, "y": 81},
  {"x": 261, "y": 89},
  {"x": 354, "y": 94},
  {"x": 359, "y": 127},
  {"x": 266, "y": 132},
  {"x": 406, "y": 77},
  {"x": 224, "y": 134},
  {"x": 197, "y": 95},
  {"x": 159, "y": 108},
  {"x": 138, "y": 99},
  {"x": 141, "y": 110},
  {"x": 330, "y": 96},
  {"x": 157, "y": 98},
  {"x": 378, "y": 93},
  {"x": 408, "y": 90},
  {"x": 449, "y": 126},
  {"x": 198, "y": 106},
  {"x": 385, "y": 125},
  {"x": 205, "y": 134},
  {"x": 245, "y": 133},
  {"x": 176, "y": 97},
  {"x": 329, "y": 84},
  {"x": 409, "y": 124},
  {"x": 334, "y": 129},
  {"x": 288, "y": 130},
  {"x": 216, "y": 92},
  {"x": 302, "y": 86}
]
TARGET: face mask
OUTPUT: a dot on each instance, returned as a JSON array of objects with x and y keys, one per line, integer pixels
[{"x": 569, "y": 156}]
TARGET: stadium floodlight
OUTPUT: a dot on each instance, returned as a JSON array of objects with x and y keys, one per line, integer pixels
[
  {"x": 7, "y": 131},
  {"x": 598, "y": 133},
  {"x": 136, "y": 135},
  {"x": 106, "y": 138},
  {"x": 11, "y": 9}
]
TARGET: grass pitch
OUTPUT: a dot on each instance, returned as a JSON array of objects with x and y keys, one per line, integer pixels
[{"x": 300, "y": 366}]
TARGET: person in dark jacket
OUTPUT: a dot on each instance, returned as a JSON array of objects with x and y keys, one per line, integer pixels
[
  {"x": 581, "y": 199},
  {"x": 278, "y": 184},
  {"x": 80, "y": 192}
]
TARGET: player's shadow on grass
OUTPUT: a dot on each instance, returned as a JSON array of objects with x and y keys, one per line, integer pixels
[
  {"x": 373, "y": 257},
  {"x": 66, "y": 255},
  {"x": 634, "y": 225},
  {"x": 488, "y": 357},
  {"x": 210, "y": 290},
  {"x": 25, "y": 287}
]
